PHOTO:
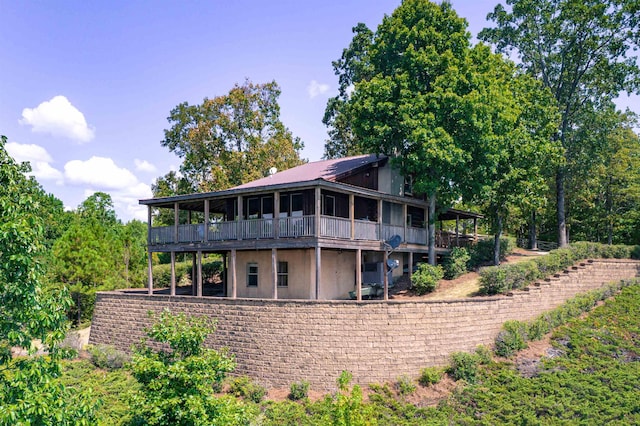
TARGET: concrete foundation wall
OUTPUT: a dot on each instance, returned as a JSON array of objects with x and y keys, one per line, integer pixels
[{"x": 278, "y": 342}]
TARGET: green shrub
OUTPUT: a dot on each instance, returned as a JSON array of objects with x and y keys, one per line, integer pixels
[
  {"x": 500, "y": 279},
  {"x": 464, "y": 366},
  {"x": 244, "y": 387},
  {"x": 493, "y": 280},
  {"x": 107, "y": 357},
  {"x": 481, "y": 253},
  {"x": 511, "y": 339},
  {"x": 426, "y": 278},
  {"x": 405, "y": 385},
  {"x": 430, "y": 376},
  {"x": 456, "y": 263},
  {"x": 484, "y": 355},
  {"x": 299, "y": 390},
  {"x": 538, "y": 328}
]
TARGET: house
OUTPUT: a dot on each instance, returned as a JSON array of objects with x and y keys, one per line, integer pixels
[{"x": 310, "y": 232}]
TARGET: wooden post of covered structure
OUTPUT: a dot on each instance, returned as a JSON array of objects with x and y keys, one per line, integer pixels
[
  {"x": 358, "y": 274},
  {"x": 150, "y": 259}
]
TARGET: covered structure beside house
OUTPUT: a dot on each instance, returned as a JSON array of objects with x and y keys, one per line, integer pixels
[{"x": 316, "y": 231}]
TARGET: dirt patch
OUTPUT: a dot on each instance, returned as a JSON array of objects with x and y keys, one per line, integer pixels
[{"x": 466, "y": 285}]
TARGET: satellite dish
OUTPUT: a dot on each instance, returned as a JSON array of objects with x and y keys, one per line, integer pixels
[
  {"x": 392, "y": 263},
  {"x": 394, "y": 242}
]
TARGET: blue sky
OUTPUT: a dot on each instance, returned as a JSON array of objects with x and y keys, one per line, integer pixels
[{"x": 86, "y": 86}]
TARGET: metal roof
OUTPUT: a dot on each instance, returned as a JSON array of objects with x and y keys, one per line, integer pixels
[{"x": 328, "y": 170}]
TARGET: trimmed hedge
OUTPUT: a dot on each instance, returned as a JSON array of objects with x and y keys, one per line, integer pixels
[{"x": 503, "y": 278}]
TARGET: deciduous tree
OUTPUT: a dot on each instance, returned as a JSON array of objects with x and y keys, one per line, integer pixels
[
  {"x": 231, "y": 139},
  {"x": 29, "y": 393},
  {"x": 581, "y": 51}
]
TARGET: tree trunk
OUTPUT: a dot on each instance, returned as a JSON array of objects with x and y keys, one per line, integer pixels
[
  {"x": 562, "y": 225},
  {"x": 533, "y": 240},
  {"x": 609, "y": 210},
  {"x": 432, "y": 229},
  {"x": 496, "y": 240}
]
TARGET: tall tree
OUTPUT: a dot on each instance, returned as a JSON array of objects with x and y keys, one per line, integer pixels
[
  {"x": 409, "y": 81},
  {"x": 29, "y": 393},
  {"x": 578, "y": 49},
  {"x": 231, "y": 139},
  {"x": 512, "y": 149}
]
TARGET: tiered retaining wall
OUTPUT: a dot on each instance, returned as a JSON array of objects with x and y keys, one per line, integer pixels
[{"x": 278, "y": 342}]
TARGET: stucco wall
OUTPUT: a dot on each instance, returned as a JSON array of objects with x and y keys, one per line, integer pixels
[
  {"x": 301, "y": 274},
  {"x": 278, "y": 342}
]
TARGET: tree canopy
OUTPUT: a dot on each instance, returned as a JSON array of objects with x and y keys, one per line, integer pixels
[
  {"x": 229, "y": 140},
  {"x": 416, "y": 90},
  {"x": 28, "y": 395},
  {"x": 581, "y": 51}
]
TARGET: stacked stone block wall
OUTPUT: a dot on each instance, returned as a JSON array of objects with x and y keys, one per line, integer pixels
[{"x": 278, "y": 342}]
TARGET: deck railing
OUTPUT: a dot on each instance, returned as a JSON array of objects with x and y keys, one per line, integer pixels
[
  {"x": 335, "y": 227},
  {"x": 288, "y": 227}
]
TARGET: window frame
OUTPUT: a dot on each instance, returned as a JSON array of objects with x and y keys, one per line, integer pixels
[
  {"x": 252, "y": 274},
  {"x": 283, "y": 275}
]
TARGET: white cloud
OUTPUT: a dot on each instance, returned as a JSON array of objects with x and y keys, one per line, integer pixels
[
  {"x": 58, "y": 118},
  {"x": 100, "y": 172},
  {"x": 39, "y": 159},
  {"x": 315, "y": 89},
  {"x": 144, "y": 166}
]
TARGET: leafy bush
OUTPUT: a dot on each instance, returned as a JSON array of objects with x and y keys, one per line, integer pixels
[
  {"x": 512, "y": 338},
  {"x": 211, "y": 268},
  {"x": 456, "y": 263},
  {"x": 405, "y": 385},
  {"x": 299, "y": 390},
  {"x": 244, "y": 387},
  {"x": 177, "y": 384},
  {"x": 500, "y": 279},
  {"x": 481, "y": 253},
  {"x": 484, "y": 355},
  {"x": 107, "y": 357},
  {"x": 430, "y": 376},
  {"x": 464, "y": 366},
  {"x": 426, "y": 278}
]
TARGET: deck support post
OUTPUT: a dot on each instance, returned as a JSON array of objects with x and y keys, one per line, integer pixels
[
  {"x": 199, "y": 263},
  {"x": 150, "y": 259},
  {"x": 194, "y": 274},
  {"x": 475, "y": 229},
  {"x": 386, "y": 276},
  {"x": 410, "y": 268},
  {"x": 358, "y": 274},
  {"x": 274, "y": 273},
  {"x": 457, "y": 230},
  {"x": 150, "y": 272},
  {"x": 234, "y": 277},
  {"x": 173, "y": 273},
  {"x": 318, "y": 270}
]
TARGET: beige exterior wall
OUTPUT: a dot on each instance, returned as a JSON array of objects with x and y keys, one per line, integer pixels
[
  {"x": 338, "y": 275},
  {"x": 301, "y": 274}
]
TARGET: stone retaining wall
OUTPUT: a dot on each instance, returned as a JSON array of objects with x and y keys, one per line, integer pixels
[{"x": 278, "y": 342}]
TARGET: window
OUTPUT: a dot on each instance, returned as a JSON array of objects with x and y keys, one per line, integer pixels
[
  {"x": 253, "y": 208},
  {"x": 408, "y": 185},
  {"x": 283, "y": 274},
  {"x": 328, "y": 205},
  {"x": 252, "y": 275},
  {"x": 296, "y": 204}
]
